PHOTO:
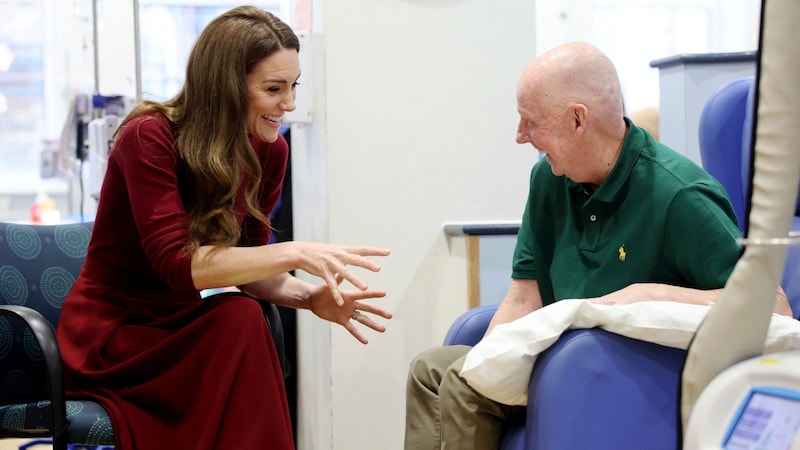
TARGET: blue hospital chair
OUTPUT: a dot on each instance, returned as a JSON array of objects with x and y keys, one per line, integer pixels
[
  {"x": 592, "y": 389},
  {"x": 725, "y": 137}
]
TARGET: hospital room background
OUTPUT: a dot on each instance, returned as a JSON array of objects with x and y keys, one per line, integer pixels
[{"x": 404, "y": 133}]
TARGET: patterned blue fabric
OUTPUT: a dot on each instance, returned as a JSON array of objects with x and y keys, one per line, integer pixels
[{"x": 38, "y": 265}]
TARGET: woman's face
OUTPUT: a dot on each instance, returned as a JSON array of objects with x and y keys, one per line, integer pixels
[{"x": 271, "y": 92}]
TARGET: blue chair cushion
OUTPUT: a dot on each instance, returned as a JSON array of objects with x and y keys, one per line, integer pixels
[{"x": 88, "y": 421}]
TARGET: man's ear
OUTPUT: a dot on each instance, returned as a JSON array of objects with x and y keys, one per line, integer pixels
[{"x": 579, "y": 111}]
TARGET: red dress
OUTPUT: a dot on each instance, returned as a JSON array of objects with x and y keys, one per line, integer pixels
[{"x": 172, "y": 370}]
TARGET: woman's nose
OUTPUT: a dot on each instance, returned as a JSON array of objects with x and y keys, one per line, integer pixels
[{"x": 287, "y": 104}]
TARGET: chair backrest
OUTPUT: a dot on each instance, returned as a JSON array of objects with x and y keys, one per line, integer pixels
[
  {"x": 38, "y": 265},
  {"x": 747, "y": 144},
  {"x": 720, "y": 138},
  {"x": 726, "y": 149}
]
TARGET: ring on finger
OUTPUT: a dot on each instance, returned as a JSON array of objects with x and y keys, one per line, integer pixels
[{"x": 355, "y": 315}]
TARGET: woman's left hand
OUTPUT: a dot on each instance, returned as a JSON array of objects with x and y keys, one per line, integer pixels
[{"x": 322, "y": 304}]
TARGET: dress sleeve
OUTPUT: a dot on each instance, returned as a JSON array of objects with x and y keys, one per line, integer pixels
[{"x": 147, "y": 158}]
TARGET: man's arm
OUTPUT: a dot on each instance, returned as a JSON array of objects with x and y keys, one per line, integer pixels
[
  {"x": 640, "y": 292},
  {"x": 522, "y": 298}
]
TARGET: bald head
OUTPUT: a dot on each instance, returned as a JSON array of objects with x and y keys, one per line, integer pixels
[
  {"x": 576, "y": 72},
  {"x": 570, "y": 108}
]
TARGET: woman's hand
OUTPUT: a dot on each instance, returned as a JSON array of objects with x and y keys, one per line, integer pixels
[
  {"x": 322, "y": 303},
  {"x": 329, "y": 262}
]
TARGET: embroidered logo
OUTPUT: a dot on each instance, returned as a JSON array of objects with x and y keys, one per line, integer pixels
[{"x": 622, "y": 254}]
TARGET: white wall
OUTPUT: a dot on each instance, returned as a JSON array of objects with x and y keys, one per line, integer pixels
[
  {"x": 635, "y": 32},
  {"x": 414, "y": 125}
]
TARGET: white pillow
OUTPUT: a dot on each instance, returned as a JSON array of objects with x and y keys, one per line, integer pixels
[{"x": 500, "y": 365}]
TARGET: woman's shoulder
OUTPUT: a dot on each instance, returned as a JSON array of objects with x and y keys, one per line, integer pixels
[
  {"x": 149, "y": 123},
  {"x": 147, "y": 135}
]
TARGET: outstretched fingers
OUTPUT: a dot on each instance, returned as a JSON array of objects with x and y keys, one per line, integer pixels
[
  {"x": 365, "y": 320},
  {"x": 354, "y": 331},
  {"x": 332, "y": 279},
  {"x": 370, "y": 308},
  {"x": 360, "y": 315},
  {"x": 357, "y": 256}
]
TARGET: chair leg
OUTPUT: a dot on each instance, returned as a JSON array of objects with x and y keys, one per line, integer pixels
[
  {"x": 34, "y": 443},
  {"x": 60, "y": 443}
]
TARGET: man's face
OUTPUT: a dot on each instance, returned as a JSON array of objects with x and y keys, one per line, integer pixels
[{"x": 548, "y": 130}]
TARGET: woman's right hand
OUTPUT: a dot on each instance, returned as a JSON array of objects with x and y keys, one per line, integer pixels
[
  {"x": 352, "y": 312},
  {"x": 327, "y": 261}
]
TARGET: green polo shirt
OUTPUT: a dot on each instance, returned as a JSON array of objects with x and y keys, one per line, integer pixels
[{"x": 658, "y": 217}]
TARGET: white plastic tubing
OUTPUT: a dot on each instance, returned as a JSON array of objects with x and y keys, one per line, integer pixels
[{"x": 736, "y": 326}]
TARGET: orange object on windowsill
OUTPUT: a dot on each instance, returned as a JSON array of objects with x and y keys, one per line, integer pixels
[{"x": 44, "y": 211}]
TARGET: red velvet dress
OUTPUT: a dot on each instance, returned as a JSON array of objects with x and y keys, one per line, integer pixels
[{"x": 173, "y": 371}]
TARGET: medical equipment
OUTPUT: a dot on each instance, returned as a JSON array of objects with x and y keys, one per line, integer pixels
[
  {"x": 753, "y": 405},
  {"x": 86, "y": 139},
  {"x": 732, "y": 398},
  {"x": 110, "y": 111}
]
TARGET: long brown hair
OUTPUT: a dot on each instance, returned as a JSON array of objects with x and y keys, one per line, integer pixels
[{"x": 209, "y": 116}]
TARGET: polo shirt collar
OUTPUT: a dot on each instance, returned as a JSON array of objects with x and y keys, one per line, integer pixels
[{"x": 631, "y": 149}]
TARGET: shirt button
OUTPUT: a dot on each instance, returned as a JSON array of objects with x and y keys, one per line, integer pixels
[{"x": 593, "y": 218}]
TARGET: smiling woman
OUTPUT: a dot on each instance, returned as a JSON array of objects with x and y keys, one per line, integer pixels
[
  {"x": 184, "y": 207},
  {"x": 271, "y": 93}
]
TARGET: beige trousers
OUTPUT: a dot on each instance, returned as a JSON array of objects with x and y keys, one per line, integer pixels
[{"x": 444, "y": 412}]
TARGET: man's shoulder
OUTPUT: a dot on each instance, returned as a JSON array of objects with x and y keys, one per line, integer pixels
[{"x": 661, "y": 161}]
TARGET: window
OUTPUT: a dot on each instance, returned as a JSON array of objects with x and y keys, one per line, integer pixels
[
  {"x": 47, "y": 58},
  {"x": 24, "y": 132},
  {"x": 168, "y": 30}
]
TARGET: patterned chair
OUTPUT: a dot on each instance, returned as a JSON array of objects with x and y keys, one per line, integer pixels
[{"x": 38, "y": 265}]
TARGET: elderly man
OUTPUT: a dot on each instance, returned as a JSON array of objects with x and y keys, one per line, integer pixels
[{"x": 612, "y": 215}]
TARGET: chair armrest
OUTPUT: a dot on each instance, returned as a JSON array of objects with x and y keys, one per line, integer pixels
[
  {"x": 469, "y": 327},
  {"x": 43, "y": 333},
  {"x": 619, "y": 392}
]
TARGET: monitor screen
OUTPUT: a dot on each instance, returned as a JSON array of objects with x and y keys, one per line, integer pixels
[{"x": 768, "y": 419}]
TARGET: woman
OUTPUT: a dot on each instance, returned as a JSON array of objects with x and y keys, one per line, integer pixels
[{"x": 184, "y": 206}]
